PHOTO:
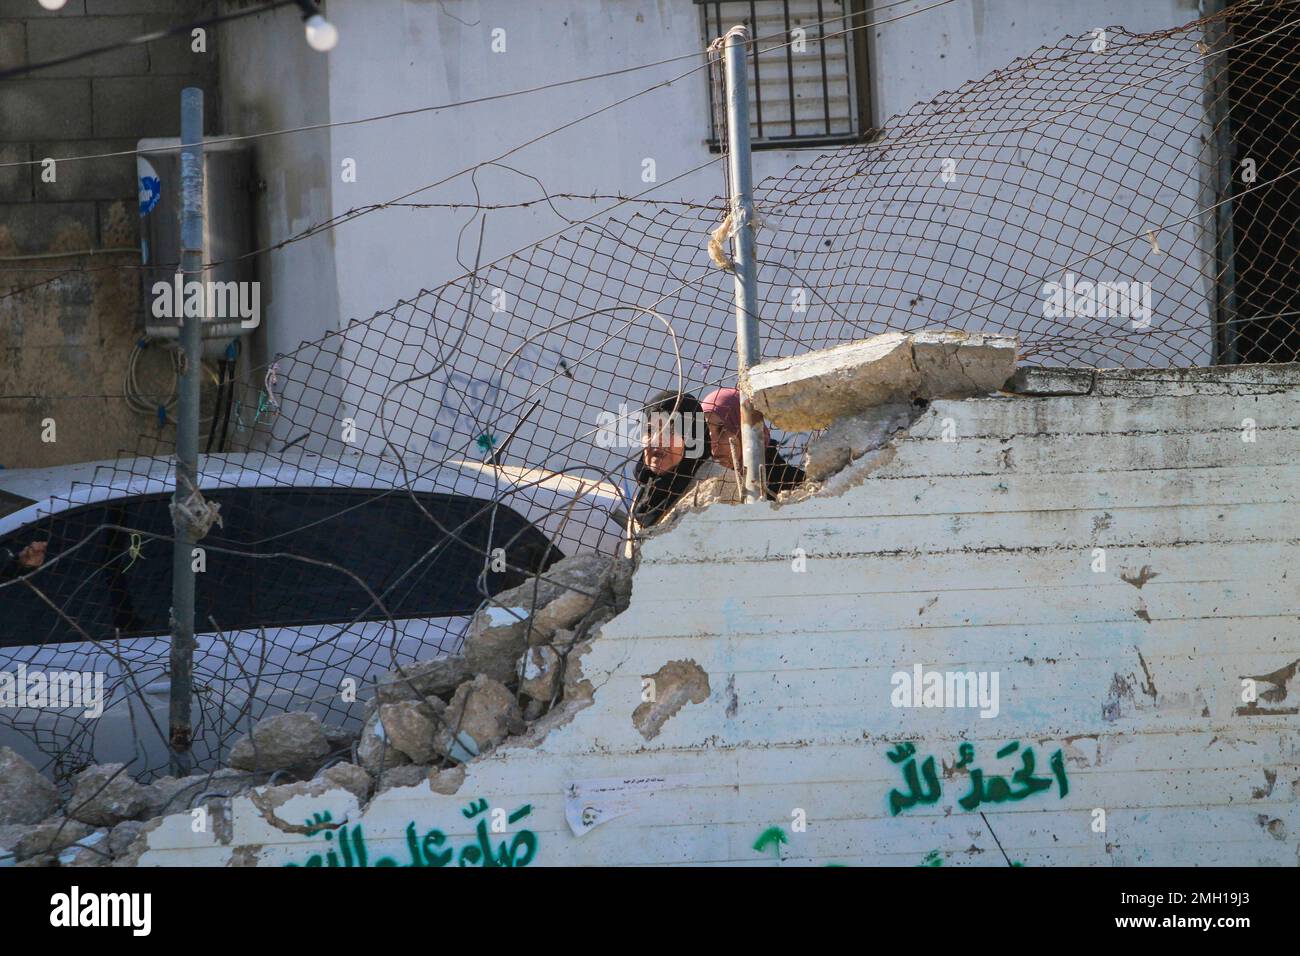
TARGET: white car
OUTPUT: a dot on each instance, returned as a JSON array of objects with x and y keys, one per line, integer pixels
[{"x": 283, "y": 614}]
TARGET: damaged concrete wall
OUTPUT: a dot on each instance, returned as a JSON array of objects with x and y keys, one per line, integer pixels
[{"x": 1121, "y": 556}]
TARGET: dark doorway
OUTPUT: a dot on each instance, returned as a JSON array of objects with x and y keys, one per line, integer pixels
[{"x": 1259, "y": 228}]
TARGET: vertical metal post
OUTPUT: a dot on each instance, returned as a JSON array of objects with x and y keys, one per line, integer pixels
[
  {"x": 748, "y": 348},
  {"x": 1219, "y": 110},
  {"x": 187, "y": 431}
]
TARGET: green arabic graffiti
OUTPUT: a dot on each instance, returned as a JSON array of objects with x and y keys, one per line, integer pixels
[
  {"x": 430, "y": 850},
  {"x": 997, "y": 790},
  {"x": 984, "y": 788},
  {"x": 773, "y": 837},
  {"x": 899, "y": 801}
]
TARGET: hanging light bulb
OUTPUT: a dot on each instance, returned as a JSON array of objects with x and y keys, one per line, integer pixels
[
  {"x": 321, "y": 34},
  {"x": 53, "y": 4}
]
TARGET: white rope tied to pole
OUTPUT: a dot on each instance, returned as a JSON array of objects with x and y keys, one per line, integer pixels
[
  {"x": 196, "y": 513},
  {"x": 717, "y": 248}
]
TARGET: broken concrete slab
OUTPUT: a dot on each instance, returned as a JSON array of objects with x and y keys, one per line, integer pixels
[
  {"x": 956, "y": 364},
  {"x": 285, "y": 741},
  {"x": 810, "y": 391},
  {"x": 410, "y": 775},
  {"x": 412, "y": 725},
  {"x": 433, "y": 678},
  {"x": 848, "y": 439},
  {"x": 533, "y": 611},
  {"x": 375, "y": 752},
  {"x": 104, "y": 795},
  {"x": 51, "y": 836},
  {"x": 539, "y": 672},
  {"x": 1251, "y": 380},
  {"x": 25, "y": 795},
  {"x": 482, "y": 713},
  {"x": 350, "y": 777},
  {"x": 1048, "y": 382}
]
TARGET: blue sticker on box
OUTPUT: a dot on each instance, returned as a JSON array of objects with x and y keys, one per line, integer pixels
[{"x": 150, "y": 186}]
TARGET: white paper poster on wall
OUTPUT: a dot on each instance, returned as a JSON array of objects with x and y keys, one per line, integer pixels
[{"x": 589, "y": 803}]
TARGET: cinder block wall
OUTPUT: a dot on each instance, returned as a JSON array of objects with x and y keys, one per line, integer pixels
[{"x": 69, "y": 286}]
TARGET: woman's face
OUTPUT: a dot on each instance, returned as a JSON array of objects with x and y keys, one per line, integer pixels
[
  {"x": 664, "y": 447},
  {"x": 724, "y": 443}
]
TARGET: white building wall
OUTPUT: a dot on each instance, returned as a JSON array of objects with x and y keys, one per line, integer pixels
[
  {"x": 977, "y": 554},
  {"x": 943, "y": 48},
  {"x": 397, "y": 55},
  {"x": 271, "y": 79}
]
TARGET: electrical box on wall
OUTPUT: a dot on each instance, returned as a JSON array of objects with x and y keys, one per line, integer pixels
[{"x": 228, "y": 294}]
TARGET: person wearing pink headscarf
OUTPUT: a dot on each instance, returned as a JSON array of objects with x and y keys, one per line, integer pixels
[{"x": 722, "y": 412}]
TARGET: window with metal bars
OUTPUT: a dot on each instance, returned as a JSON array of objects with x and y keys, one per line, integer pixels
[{"x": 808, "y": 83}]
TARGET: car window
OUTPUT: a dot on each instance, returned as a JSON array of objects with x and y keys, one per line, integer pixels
[
  {"x": 275, "y": 561},
  {"x": 10, "y": 502},
  {"x": 77, "y": 583},
  {"x": 414, "y": 567}
]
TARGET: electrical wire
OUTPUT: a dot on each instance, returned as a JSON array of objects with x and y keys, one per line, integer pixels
[
  {"x": 351, "y": 215},
  {"x": 17, "y": 71},
  {"x": 473, "y": 101}
]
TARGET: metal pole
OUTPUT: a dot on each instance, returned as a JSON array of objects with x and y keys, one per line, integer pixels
[
  {"x": 748, "y": 348},
  {"x": 1225, "y": 252},
  {"x": 187, "y": 431}
]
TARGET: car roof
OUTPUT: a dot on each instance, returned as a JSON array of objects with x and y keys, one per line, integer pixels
[{"x": 536, "y": 493}]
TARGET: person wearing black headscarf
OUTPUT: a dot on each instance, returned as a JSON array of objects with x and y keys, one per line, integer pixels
[{"x": 676, "y": 445}]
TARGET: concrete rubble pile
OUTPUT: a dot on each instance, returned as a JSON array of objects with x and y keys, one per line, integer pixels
[{"x": 518, "y": 676}]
